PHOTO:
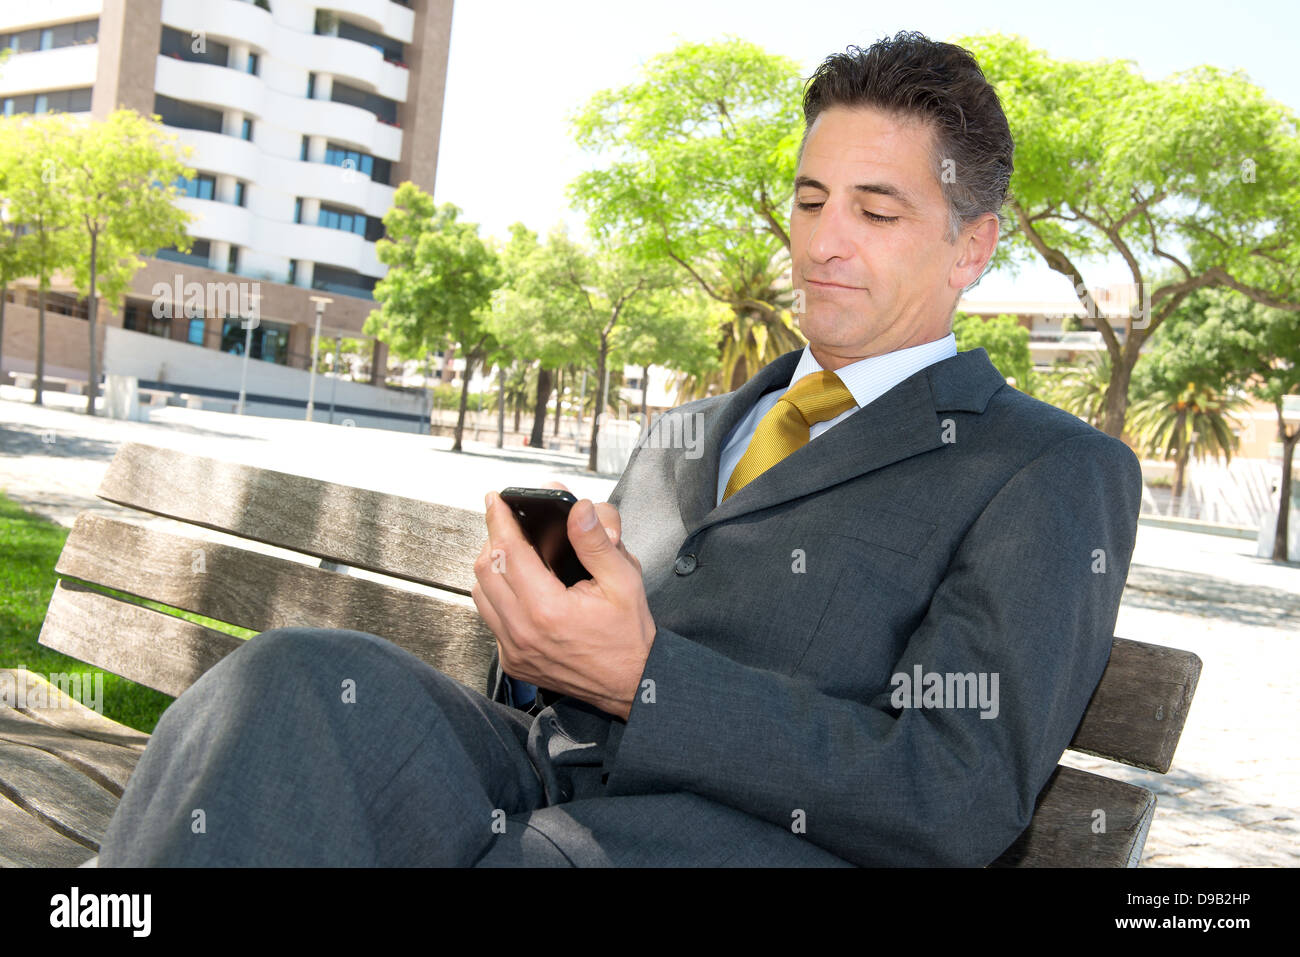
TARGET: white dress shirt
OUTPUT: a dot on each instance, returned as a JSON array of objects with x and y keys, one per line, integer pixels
[{"x": 868, "y": 379}]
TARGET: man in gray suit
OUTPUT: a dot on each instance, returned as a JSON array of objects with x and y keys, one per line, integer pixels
[{"x": 860, "y": 627}]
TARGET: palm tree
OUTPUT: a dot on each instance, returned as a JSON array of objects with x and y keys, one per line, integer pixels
[
  {"x": 1079, "y": 389},
  {"x": 1173, "y": 421}
]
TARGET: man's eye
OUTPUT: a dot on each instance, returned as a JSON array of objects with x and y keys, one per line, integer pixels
[{"x": 874, "y": 217}]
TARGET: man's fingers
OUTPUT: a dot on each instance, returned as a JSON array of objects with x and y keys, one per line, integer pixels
[{"x": 606, "y": 560}]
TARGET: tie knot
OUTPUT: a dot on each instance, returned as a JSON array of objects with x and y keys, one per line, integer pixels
[{"x": 820, "y": 396}]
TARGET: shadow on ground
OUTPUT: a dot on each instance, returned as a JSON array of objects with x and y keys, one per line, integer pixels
[{"x": 1191, "y": 593}]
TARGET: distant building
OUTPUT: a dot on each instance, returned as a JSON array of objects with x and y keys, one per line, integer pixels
[{"x": 303, "y": 119}]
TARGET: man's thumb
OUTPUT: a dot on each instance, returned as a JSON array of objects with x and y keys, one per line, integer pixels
[{"x": 592, "y": 541}]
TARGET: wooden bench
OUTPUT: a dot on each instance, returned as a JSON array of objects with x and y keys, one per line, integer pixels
[{"x": 63, "y": 768}]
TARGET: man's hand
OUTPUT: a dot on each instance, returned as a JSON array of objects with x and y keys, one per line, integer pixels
[{"x": 590, "y": 641}]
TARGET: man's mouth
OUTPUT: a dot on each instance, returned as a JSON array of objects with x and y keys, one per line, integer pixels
[{"x": 832, "y": 285}]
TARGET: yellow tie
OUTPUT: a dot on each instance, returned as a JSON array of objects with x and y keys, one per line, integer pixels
[{"x": 814, "y": 398}]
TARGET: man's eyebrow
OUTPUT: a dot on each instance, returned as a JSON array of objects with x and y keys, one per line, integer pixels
[{"x": 879, "y": 189}]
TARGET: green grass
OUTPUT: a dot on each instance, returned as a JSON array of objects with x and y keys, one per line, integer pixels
[{"x": 29, "y": 549}]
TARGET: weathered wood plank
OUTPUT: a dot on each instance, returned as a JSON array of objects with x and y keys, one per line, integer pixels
[
  {"x": 59, "y": 796},
  {"x": 1063, "y": 831},
  {"x": 142, "y": 645},
  {"x": 1137, "y": 712},
  {"x": 261, "y": 592},
  {"x": 106, "y": 764},
  {"x": 403, "y": 537},
  {"x": 65, "y": 712},
  {"x": 26, "y": 842}
]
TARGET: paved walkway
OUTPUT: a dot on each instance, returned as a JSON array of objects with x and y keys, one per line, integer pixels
[{"x": 1232, "y": 798}]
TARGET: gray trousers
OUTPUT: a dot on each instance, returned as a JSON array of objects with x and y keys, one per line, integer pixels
[{"x": 325, "y": 747}]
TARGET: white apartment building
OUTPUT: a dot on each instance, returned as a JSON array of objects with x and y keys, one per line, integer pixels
[{"x": 303, "y": 118}]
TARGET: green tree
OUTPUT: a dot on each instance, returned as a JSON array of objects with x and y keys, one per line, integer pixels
[
  {"x": 1004, "y": 339},
  {"x": 1263, "y": 347},
  {"x": 539, "y": 313},
  {"x": 1079, "y": 388},
  {"x": 13, "y": 252},
  {"x": 674, "y": 328},
  {"x": 439, "y": 285},
  {"x": 706, "y": 148},
  {"x": 37, "y": 185},
  {"x": 118, "y": 210},
  {"x": 1187, "y": 180}
]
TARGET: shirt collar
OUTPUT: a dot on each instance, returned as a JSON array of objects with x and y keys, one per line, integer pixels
[{"x": 868, "y": 379}]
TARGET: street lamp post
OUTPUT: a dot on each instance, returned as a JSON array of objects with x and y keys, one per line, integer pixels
[{"x": 321, "y": 302}]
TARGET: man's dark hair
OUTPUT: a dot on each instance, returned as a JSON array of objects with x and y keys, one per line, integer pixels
[{"x": 910, "y": 75}]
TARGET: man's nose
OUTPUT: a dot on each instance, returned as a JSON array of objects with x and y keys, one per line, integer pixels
[{"x": 831, "y": 236}]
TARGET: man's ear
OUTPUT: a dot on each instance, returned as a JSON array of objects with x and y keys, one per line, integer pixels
[{"x": 976, "y": 242}]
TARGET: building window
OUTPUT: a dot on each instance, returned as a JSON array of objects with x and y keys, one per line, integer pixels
[
  {"x": 196, "y": 331},
  {"x": 198, "y": 255},
  {"x": 311, "y": 94},
  {"x": 246, "y": 131},
  {"x": 57, "y": 101},
  {"x": 269, "y": 341},
  {"x": 379, "y": 170},
  {"x": 293, "y": 272},
  {"x": 232, "y": 261},
  {"x": 383, "y": 108},
  {"x": 252, "y": 64},
  {"x": 202, "y": 186},
  {"x": 239, "y": 193},
  {"x": 306, "y": 140},
  {"x": 297, "y": 210},
  {"x": 187, "y": 116},
  {"x": 185, "y": 46},
  {"x": 335, "y": 217},
  {"x": 346, "y": 282},
  {"x": 51, "y": 38},
  {"x": 138, "y": 316}
]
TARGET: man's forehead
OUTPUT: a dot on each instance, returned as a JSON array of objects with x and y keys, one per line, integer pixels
[{"x": 865, "y": 142}]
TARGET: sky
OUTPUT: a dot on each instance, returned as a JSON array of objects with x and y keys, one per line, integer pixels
[{"x": 519, "y": 68}]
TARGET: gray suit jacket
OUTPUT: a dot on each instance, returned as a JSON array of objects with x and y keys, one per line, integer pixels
[{"x": 955, "y": 526}]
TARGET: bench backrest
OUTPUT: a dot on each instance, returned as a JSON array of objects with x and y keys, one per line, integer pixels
[{"x": 1135, "y": 716}]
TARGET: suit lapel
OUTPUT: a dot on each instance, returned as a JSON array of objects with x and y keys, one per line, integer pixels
[{"x": 899, "y": 424}]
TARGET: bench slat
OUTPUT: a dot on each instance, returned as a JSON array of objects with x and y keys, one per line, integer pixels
[
  {"x": 56, "y": 794},
  {"x": 140, "y": 644},
  {"x": 1061, "y": 833},
  {"x": 1137, "y": 712},
  {"x": 403, "y": 537},
  {"x": 262, "y": 592},
  {"x": 65, "y": 712},
  {"x": 26, "y": 842},
  {"x": 106, "y": 764}
]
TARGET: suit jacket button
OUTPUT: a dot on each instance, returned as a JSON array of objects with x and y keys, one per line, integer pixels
[{"x": 684, "y": 565}]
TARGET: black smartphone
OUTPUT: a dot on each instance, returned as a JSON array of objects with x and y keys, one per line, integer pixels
[{"x": 543, "y": 514}]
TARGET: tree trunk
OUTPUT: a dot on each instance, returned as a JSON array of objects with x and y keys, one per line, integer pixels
[
  {"x": 1184, "y": 451},
  {"x": 645, "y": 395},
  {"x": 40, "y": 344},
  {"x": 501, "y": 407},
  {"x": 1116, "y": 406},
  {"x": 601, "y": 398},
  {"x": 4, "y": 293},
  {"x": 1281, "y": 533},
  {"x": 92, "y": 387},
  {"x": 464, "y": 403},
  {"x": 559, "y": 400},
  {"x": 519, "y": 410},
  {"x": 537, "y": 438}
]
